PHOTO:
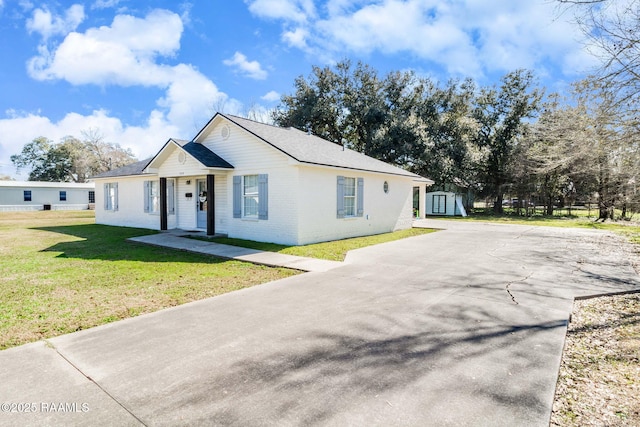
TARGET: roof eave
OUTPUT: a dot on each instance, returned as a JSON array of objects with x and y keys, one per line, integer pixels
[
  {"x": 131, "y": 175},
  {"x": 205, "y": 127},
  {"x": 150, "y": 165},
  {"x": 256, "y": 135},
  {"x": 404, "y": 175}
]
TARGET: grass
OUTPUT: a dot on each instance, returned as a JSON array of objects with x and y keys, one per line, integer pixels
[
  {"x": 60, "y": 272},
  {"x": 628, "y": 229},
  {"x": 599, "y": 382},
  {"x": 335, "y": 250}
]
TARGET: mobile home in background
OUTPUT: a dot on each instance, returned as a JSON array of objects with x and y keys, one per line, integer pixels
[{"x": 38, "y": 196}]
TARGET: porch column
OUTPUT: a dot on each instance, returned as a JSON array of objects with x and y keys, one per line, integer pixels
[
  {"x": 211, "y": 206},
  {"x": 422, "y": 200},
  {"x": 163, "y": 203}
]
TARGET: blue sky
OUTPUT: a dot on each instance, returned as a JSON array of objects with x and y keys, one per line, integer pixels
[{"x": 143, "y": 71}]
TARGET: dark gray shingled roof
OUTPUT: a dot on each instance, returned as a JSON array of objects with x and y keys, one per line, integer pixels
[
  {"x": 206, "y": 156},
  {"x": 130, "y": 169},
  {"x": 311, "y": 149},
  {"x": 294, "y": 143},
  {"x": 201, "y": 153}
]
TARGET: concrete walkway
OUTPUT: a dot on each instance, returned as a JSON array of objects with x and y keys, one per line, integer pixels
[
  {"x": 274, "y": 259},
  {"x": 463, "y": 327}
]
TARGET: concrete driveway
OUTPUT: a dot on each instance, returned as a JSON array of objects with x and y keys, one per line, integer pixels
[{"x": 460, "y": 327}]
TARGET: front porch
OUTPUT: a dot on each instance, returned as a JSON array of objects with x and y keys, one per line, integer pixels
[
  {"x": 200, "y": 204},
  {"x": 199, "y": 178}
]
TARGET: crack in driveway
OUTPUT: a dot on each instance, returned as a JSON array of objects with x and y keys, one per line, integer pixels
[{"x": 91, "y": 380}]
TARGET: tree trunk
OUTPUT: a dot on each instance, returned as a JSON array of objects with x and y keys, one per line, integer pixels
[
  {"x": 603, "y": 211},
  {"x": 603, "y": 193},
  {"x": 497, "y": 205}
]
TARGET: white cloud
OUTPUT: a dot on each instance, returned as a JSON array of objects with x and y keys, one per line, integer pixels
[
  {"x": 48, "y": 25},
  {"x": 296, "y": 38},
  {"x": 468, "y": 38},
  {"x": 271, "y": 96},
  {"x": 25, "y": 5},
  {"x": 104, "y": 4},
  {"x": 126, "y": 53},
  {"x": 144, "y": 140},
  {"x": 395, "y": 26},
  {"x": 192, "y": 97},
  {"x": 187, "y": 114},
  {"x": 251, "y": 69},
  {"x": 122, "y": 54},
  {"x": 185, "y": 15},
  {"x": 290, "y": 10}
]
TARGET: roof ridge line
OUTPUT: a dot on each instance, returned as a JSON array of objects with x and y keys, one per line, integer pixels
[{"x": 263, "y": 123}]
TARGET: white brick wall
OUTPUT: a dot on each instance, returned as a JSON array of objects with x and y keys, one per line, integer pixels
[
  {"x": 223, "y": 204},
  {"x": 251, "y": 156},
  {"x": 186, "y": 207},
  {"x": 281, "y": 227},
  {"x": 243, "y": 150},
  {"x": 130, "y": 211},
  {"x": 383, "y": 212},
  {"x": 172, "y": 167},
  {"x": 301, "y": 202}
]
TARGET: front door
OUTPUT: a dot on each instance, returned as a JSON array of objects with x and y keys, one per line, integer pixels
[{"x": 201, "y": 203}]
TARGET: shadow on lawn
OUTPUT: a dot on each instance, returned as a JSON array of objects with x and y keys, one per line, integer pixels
[{"x": 110, "y": 243}]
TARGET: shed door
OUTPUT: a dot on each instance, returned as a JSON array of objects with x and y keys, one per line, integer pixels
[{"x": 439, "y": 204}]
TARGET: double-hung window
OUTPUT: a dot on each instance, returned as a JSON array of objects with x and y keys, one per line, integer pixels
[
  {"x": 152, "y": 196},
  {"x": 111, "y": 196},
  {"x": 251, "y": 196},
  {"x": 63, "y": 196},
  {"x": 92, "y": 196},
  {"x": 350, "y": 197},
  {"x": 26, "y": 195}
]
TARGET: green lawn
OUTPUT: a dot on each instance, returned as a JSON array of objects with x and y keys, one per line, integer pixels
[
  {"x": 60, "y": 272},
  {"x": 631, "y": 230},
  {"x": 335, "y": 250}
]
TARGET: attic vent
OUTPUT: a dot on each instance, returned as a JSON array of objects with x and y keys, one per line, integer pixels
[
  {"x": 182, "y": 157},
  {"x": 225, "y": 131}
]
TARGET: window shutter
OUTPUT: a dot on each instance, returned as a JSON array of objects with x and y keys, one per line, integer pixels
[
  {"x": 360, "y": 197},
  {"x": 106, "y": 197},
  {"x": 171, "y": 197},
  {"x": 115, "y": 191},
  {"x": 237, "y": 196},
  {"x": 340, "y": 198},
  {"x": 263, "y": 196},
  {"x": 147, "y": 192}
]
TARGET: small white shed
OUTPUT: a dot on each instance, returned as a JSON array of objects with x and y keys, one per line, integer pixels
[{"x": 445, "y": 203}]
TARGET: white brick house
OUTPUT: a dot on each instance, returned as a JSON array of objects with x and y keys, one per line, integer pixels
[{"x": 254, "y": 181}]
